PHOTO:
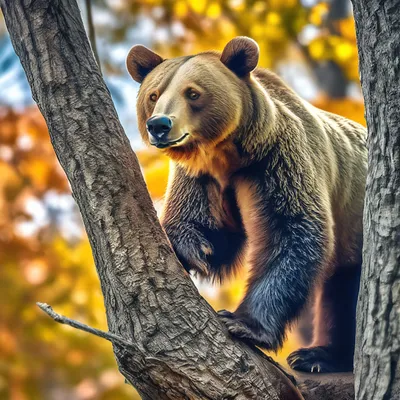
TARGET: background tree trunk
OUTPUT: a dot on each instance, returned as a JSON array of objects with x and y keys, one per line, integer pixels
[
  {"x": 377, "y": 367},
  {"x": 179, "y": 349},
  {"x": 176, "y": 348}
]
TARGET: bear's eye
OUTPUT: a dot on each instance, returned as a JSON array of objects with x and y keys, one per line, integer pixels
[
  {"x": 153, "y": 97},
  {"x": 192, "y": 94}
]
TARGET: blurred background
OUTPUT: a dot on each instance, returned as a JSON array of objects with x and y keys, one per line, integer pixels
[{"x": 44, "y": 252}]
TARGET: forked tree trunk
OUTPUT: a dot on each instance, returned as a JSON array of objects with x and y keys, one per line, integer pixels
[
  {"x": 377, "y": 366},
  {"x": 176, "y": 347}
]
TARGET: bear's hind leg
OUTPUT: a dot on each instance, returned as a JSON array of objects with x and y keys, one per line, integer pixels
[{"x": 335, "y": 324}]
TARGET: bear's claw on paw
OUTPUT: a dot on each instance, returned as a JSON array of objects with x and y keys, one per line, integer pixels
[
  {"x": 244, "y": 331},
  {"x": 316, "y": 359},
  {"x": 235, "y": 326},
  {"x": 193, "y": 250}
]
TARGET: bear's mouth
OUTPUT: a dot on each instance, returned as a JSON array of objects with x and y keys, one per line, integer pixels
[{"x": 164, "y": 145}]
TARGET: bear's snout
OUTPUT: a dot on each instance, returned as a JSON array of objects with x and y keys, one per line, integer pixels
[{"x": 158, "y": 127}]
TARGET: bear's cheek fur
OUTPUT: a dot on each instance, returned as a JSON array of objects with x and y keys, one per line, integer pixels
[
  {"x": 144, "y": 110},
  {"x": 217, "y": 118}
]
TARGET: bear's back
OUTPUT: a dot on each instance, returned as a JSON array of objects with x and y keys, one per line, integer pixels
[{"x": 337, "y": 147}]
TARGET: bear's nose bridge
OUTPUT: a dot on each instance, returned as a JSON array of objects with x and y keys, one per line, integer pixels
[{"x": 167, "y": 104}]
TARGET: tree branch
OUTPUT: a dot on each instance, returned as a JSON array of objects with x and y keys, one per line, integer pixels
[
  {"x": 111, "y": 337},
  {"x": 91, "y": 31}
]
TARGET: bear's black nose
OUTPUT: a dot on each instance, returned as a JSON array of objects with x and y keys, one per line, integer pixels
[{"x": 159, "y": 126}]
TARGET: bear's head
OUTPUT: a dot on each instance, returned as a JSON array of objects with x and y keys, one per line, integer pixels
[{"x": 193, "y": 102}]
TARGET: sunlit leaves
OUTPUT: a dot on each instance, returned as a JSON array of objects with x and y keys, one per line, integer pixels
[
  {"x": 346, "y": 28},
  {"x": 318, "y": 13},
  {"x": 155, "y": 170},
  {"x": 214, "y": 10},
  {"x": 349, "y": 108},
  {"x": 198, "y": 6},
  {"x": 275, "y": 24},
  {"x": 181, "y": 8}
]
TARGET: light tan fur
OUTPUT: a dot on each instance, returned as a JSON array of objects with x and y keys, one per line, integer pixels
[{"x": 256, "y": 228}]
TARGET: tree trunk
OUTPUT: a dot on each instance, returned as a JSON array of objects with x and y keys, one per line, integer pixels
[
  {"x": 180, "y": 348},
  {"x": 377, "y": 367}
]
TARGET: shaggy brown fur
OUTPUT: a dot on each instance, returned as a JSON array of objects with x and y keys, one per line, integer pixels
[{"x": 261, "y": 175}]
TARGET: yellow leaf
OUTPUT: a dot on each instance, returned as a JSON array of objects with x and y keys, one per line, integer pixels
[
  {"x": 155, "y": 169},
  {"x": 257, "y": 30},
  {"x": 344, "y": 51},
  {"x": 347, "y": 28},
  {"x": 318, "y": 13},
  {"x": 259, "y": 7},
  {"x": 214, "y": 10},
  {"x": 198, "y": 5},
  {"x": 273, "y": 18},
  {"x": 237, "y": 5},
  {"x": 181, "y": 8},
  {"x": 317, "y": 49}
]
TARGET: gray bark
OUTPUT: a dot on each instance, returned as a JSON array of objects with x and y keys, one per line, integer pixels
[
  {"x": 180, "y": 348},
  {"x": 377, "y": 366}
]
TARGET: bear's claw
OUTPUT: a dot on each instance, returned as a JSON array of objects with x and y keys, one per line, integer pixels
[
  {"x": 321, "y": 359},
  {"x": 245, "y": 331}
]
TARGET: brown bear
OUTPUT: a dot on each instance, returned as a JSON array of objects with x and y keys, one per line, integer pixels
[{"x": 260, "y": 176}]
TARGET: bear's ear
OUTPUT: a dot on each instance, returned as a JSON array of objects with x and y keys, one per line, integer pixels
[
  {"x": 240, "y": 55},
  {"x": 141, "y": 61}
]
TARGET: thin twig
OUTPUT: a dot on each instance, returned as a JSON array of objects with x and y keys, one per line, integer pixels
[
  {"x": 91, "y": 31},
  {"x": 113, "y": 338}
]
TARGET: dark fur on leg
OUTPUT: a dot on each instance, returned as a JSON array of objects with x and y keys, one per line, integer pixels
[
  {"x": 279, "y": 289},
  {"x": 338, "y": 306},
  {"x": 195, "y": 226}
]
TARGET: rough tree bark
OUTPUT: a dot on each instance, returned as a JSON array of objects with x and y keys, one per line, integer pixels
[
  {"x": 167, "y": 340},
  {"x": 377, "y": 366}
]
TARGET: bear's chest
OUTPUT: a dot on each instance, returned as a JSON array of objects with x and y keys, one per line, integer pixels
[{"x": 220, "y": 163}]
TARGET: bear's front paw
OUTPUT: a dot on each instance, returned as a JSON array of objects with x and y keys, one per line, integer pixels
[
  {"x": 192, "y": 249},
  {"x": 250, "y": 331}
]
